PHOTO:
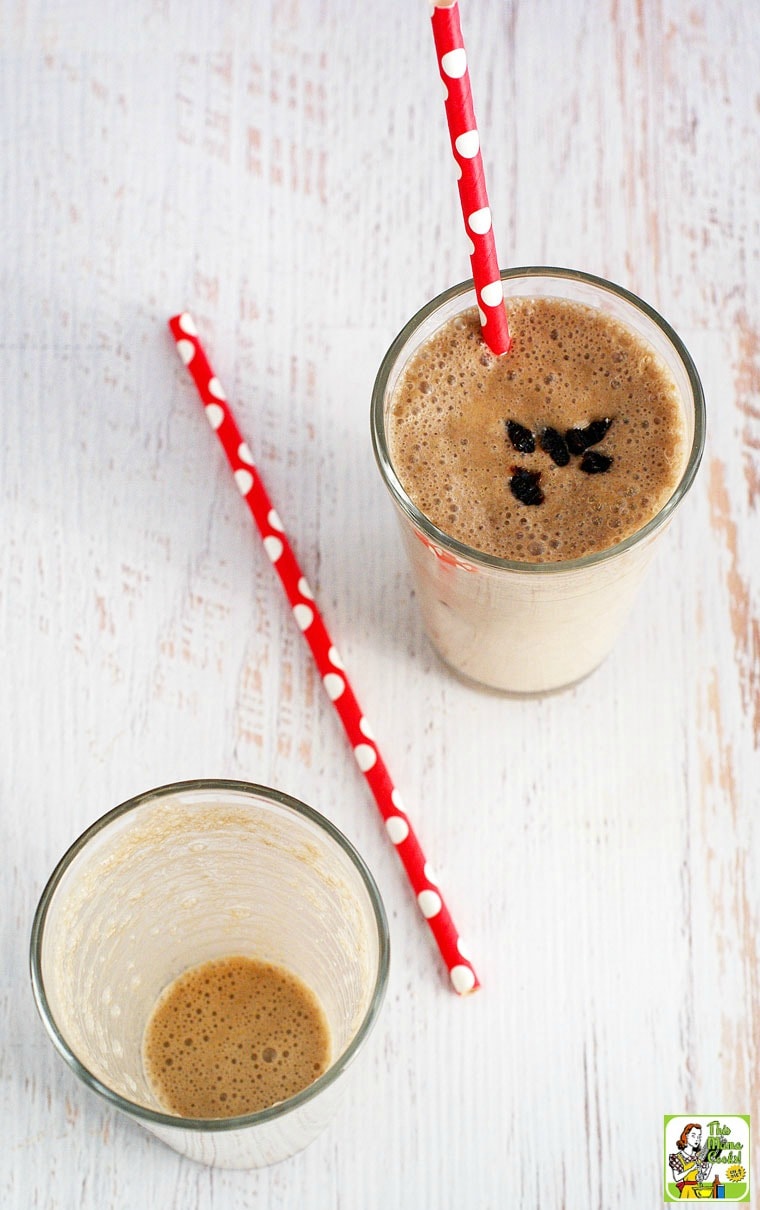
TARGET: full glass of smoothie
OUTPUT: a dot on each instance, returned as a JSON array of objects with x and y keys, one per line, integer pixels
[
  {"x": 532, "y": 488},
  {"x": 210, "y": 958}
]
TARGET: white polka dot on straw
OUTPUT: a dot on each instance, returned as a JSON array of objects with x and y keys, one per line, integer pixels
[
  {"x": 186, "y": 350},
  {"x": 430, "y": 903},
  {"x": 365, "y": 728},
  {"x": 333, "y": 656},
  {"x": 463, "y": 979},
  {"x": 468, "y": 144},
  {"x": 398, "y": 828},
  {"x": 334, "y": 684},
  {"x": 365, "y": 756},
  {"x": 244, "y": 480},
  {"x": 215, "y": 388},
  {"x": 214, "y": 415},
  {"x": 244, "y": 454},
  {"x": 430, "y": 873},
  {"x": 454, "y": 63},
  {"x": 304, "y": 616},
  {"x": 187, "y": 324},
  {"x": 492, "y": 294},
  {"x": 274, "y": 520},
  {"x": 483, "y": 317},
  {"x": 273, "y": 547},
  {"x": 304, "y": 589},
  {"x": 480, "y": 220}
]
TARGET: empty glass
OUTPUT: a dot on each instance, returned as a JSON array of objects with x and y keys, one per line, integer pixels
[{"x": 182, "y": 875}]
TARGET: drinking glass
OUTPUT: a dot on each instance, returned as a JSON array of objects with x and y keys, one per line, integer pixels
[
  {"x": 186, "y": 874},
  {"x": 529, "y": 628}
]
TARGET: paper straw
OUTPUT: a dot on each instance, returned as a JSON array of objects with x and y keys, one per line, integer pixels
[
  {"x": 465, "y": 146},
  {"x": 309, "y": 621}
]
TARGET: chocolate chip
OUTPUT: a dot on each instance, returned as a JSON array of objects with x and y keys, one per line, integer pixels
[
  {"x": 522, "y": 439},
  {"x": 576, "y": 442},
  {"x": 579, "y": 440},
  {"x": 596, "y": 431},
  {"x": 554, "y": 444},
  {"x": 594, "y": 463},
  {"x": 524, "y": 485}
]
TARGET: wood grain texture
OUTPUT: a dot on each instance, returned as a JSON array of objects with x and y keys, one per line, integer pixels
[{"x": 282, "y": 169}]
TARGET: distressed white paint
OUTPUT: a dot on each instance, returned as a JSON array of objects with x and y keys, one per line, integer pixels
[{"x": 283, "y": 171}]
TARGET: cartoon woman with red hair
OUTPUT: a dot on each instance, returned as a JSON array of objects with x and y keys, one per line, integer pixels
[{"x": 690, "y": 1169}]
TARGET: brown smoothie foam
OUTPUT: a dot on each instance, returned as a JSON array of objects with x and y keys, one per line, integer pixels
[
  {"x": 476, "y": 439},
  {"x": 234, "y": 1036}
]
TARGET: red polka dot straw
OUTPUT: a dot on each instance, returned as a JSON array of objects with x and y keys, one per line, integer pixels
[
  {"x": 465, "y": 145},
  {"x": 309, "y": 621}
]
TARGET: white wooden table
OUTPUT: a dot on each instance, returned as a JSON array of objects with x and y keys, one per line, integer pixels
[{"x": 282, "y": 170}]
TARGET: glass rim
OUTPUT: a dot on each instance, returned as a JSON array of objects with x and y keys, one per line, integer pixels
[
  {"x": 470, "y": 553},
  {"x": 242, "y": 1121}
]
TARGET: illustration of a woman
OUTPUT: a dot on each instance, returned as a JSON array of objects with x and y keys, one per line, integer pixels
[{"x": 688, "y": 1165}]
